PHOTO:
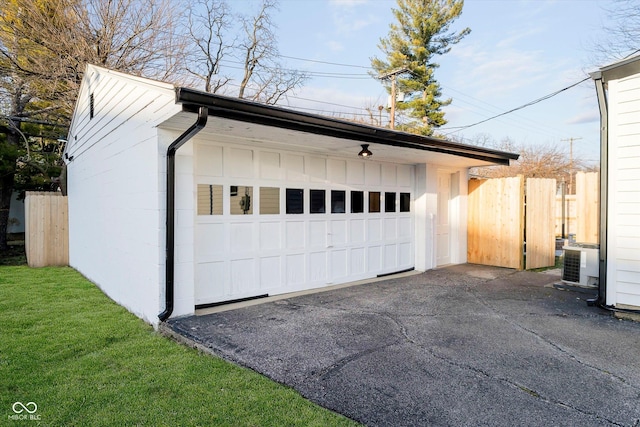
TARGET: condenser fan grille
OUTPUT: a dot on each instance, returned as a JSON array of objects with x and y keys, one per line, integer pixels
[{"x": 571, "y": 270}]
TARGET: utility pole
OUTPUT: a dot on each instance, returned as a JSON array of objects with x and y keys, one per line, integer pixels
[
  {"x": 571, "y": 162},
  {"x": 392, "y": 75},
  {"x": 571, "y": 190}
]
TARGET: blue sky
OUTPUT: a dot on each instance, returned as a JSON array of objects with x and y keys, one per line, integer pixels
[{"x": 517, "y": 51}]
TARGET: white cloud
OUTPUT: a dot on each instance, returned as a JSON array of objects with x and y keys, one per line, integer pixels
[
  {"x": 513, "y": 38},
  {"x": 346, "y": 3},
  {"x": 584, "y": 117},
  {"x": 350, "y": 21},
  {"x": 335, "y": 45},
  {"x": 350, "y": 16},
  {"x": 347, "y": 22},
  {"x": 496, "y": 72}
]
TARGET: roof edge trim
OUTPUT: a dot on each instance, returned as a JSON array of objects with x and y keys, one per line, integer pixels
[{"x": 248, "y": 111}]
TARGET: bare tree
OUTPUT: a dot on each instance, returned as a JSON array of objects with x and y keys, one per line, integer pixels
[
  {"x": 480, "y": 139},
  {"x": 536, "y": 161},
  {"x": 134, "y": 36},
  {"x": 264, "y": 79},
  {"x": 209, "y": 23},
  {"x": 623, "y": 32},
  {"x": 44, "y": 47},
  {"x": 274, "y": 83},
  {"x": 59, "y": 37}
]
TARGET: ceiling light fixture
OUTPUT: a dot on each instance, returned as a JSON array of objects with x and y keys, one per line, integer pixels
[{"x": 365, "y": 153}]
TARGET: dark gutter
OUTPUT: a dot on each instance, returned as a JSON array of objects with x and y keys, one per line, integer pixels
[
  {"x": 268, "y": 115},
  {"x": 604, "y": 179},
  {"x": 200, "y": 123}
]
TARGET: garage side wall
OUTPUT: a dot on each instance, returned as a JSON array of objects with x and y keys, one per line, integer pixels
[
  {"x": 623, "y": 248},
  {"x": 114, "y": 196}
]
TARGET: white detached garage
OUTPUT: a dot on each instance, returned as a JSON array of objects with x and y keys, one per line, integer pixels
[{"x": 262, "y": 200}]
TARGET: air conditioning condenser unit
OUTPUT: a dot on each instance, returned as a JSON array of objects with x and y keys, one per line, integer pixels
[{"x": 581, "y": 264}]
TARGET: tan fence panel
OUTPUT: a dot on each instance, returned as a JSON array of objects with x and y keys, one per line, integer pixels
[
  {"x": 569, "y": 215},
  {"x": 540, "y": 222},
  {"x": 46, "y": 229},
  {"x": 588, "y": 207},
  {"x": 495, "y": 222}
]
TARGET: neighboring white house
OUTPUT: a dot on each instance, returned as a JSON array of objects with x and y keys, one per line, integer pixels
[
  {"x": 618, "y": 87},
  {"x": 16, "y": 215},
  {"x": 262, "y": 200}
]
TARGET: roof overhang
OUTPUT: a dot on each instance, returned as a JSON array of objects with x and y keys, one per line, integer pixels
[
  {"x": 617, "y": 70},
  {"x": 246, "y": 122}
]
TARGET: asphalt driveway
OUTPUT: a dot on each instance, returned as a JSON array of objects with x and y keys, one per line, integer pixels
[{"x": 463, "y": 345}]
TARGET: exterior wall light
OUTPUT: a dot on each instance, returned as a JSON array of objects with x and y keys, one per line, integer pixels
[{"x": 365, "y": 153}]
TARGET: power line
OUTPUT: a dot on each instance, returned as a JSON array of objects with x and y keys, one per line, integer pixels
[
  {"x": 516, "y": 120},
  {"x": 325, "y": 62},
  {"x": 364, "y": 76},
  {"x": 319, "y": 102},
  {"x": 325, "y": 102},
  {"x": 528, "y": 104},
  {"x": 355, "y": 76}
]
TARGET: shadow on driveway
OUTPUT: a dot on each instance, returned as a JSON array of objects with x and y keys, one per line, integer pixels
[{"x": 463, "y": 345}]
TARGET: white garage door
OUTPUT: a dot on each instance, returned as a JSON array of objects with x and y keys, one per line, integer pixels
[{"x": 275, "y": 222}]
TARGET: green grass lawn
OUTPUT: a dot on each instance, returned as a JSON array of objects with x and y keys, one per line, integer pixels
[{"x": 86, "y": 361}]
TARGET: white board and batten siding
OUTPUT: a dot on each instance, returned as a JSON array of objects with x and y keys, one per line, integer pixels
[
  {"x": 623, "y": 249},
  {"x": 115, "y": 184},
  {"x": 269, "y": 251}
]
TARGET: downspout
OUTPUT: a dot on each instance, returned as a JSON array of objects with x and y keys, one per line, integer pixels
[
  {"x": 203, "y": 114},
  {"x": 604, "y": 172}
]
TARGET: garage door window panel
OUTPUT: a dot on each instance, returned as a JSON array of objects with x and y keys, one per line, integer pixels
[
  {"x": 338, "y": 201},
  {"x": 209, "y": 199},
  {"x": 357, "y": 201},
  {"x": 317, "y": 201},
  {"x": 295, "y": 201},
  {"x": 269, "y": 200},
  {"x": 389, "y": 202},
  {"x": 241, "y": 200},
  {"x": 374, "y": 202},
  {"x": 405, "y": 202}
]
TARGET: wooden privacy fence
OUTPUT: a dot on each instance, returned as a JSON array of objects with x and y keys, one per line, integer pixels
[
  {"x": 588, "y": 207},
  {"x": 46, "y": 229},
  {"x": 495, "y": 222},
  {"x": 540, "y": 234},
  {"x": 498, "y": 218},
  {"x": 581, "y": 210}
]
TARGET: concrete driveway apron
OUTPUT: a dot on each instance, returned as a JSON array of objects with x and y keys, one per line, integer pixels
[{"x": 463, "y": 345}]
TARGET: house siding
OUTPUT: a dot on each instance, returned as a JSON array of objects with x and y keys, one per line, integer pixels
[
  {"x": 623, "y": 269},
  {"x": 116, "y": 232}
]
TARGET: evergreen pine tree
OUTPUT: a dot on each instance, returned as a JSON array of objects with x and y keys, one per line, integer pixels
[{"x": 421, "y": 32}]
